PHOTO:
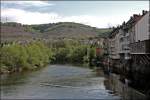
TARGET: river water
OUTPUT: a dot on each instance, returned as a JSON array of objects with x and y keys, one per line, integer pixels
[{"x": 65, "y": 82}]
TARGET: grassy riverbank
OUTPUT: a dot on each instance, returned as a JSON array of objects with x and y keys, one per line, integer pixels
[
  {"x": 37, "y": 54},
  {"x": 18, "y": 57}
]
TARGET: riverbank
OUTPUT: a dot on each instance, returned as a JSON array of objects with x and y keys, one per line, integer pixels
[
  {"x": 19, "y": 57},
  {"x": 6, "y": 72}
]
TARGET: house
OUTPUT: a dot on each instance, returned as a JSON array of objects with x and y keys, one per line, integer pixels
[
  {"x": 132, "y": 37},
  {"x": 140, "y": 41},
  {"x": 129, "y": 50},
  {"x": 114, "y": 44},
  {"x": 127, "y": 33}
]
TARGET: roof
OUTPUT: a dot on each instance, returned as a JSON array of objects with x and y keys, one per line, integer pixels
[
  {"x": 114, "y": 32},
  {"x": 131, "y": 22},
  {"x": 143, "y": 16}
]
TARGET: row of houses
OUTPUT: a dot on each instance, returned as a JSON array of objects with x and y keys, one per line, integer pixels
[
  {"x": 129, "y": 50},
  {"x": 130, "y": 38}
]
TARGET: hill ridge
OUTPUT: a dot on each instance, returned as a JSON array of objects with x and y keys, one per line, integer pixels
[{"x": 10, "y": 30}]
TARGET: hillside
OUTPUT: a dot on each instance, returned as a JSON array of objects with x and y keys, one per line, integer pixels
[
  {"x": 14, "y": 31},
  {"x": 104, "y": 32},
  {"x": 69, "y": 30}
]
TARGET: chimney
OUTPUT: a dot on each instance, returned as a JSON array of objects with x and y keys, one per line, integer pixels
[
  {"x": 144, "y": 12},
  {"x": 123, "y": 23},
  {"x": 113, "y": 27},
  {"x": 135, "y": 15}
]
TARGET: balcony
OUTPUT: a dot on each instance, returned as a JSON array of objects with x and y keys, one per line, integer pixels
[{"x": 141, "y": 47}]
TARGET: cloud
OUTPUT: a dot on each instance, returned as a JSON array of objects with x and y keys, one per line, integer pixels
[
  {"x": 27, "y": 17},
  {"x": 29, "y": 3},
  {"x": 95, "y": 21}
]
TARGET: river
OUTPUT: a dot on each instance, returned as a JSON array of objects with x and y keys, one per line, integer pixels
[{"x": 65, "y": 82}]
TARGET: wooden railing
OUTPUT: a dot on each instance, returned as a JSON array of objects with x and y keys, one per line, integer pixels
[{"x": 141, "y": 47}]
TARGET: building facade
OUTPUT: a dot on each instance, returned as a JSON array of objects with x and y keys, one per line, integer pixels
[
  {"x": 129, "y": 50},
  {"x": 114, "y": 46},
  {"x": 131, "y": 37},
  {"x": 124, "y": 43},
  {"x": 142, "y": 28},
  {"x": 141, "y": 38}
]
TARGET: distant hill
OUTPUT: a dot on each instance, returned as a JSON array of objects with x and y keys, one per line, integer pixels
[
  {"x": 104, "y": 32},
  {"x": 15, "y": 31}
]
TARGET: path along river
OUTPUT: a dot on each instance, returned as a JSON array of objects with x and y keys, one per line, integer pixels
[{"x": 65, "y": 82}]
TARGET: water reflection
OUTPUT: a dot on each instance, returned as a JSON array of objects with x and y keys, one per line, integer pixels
[
  {"x": 126, "y": 92},
  {"x": 63, "y": 82}
]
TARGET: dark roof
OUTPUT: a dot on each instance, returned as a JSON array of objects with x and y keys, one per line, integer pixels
[
  {"x": 132, "y": 21},
  {"x": 114, "y": 32}
]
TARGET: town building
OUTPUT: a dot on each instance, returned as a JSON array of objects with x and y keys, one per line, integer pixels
[
  {"x": 124, "y": 40},
  {"x": 129, "y": 50},
  {"x": 127, "y": 33},
  {"x": 114, "y": 47},
  {"x": 140, "y": 41}
]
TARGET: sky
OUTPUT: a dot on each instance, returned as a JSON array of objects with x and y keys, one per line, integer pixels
[{"x": 101, "y": 14}]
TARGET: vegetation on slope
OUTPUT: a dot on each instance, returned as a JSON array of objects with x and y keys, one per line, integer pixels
[
  {"x": 33, "y": 53},
  {"x": 12, "y": 31},
  {"x": 20, "y": 57},
  {"x": 104, "y": 32},
  {"x": 37, "y": 54}
]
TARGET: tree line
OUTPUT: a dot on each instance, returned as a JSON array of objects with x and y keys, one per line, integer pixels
[{"x": 37, "y": 54}]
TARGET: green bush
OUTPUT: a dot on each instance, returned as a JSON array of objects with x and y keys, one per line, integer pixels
[
  {"x": 18, "y": 57},
  {"x": 38, "y": 54}
]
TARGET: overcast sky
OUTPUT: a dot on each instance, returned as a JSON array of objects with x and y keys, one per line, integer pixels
[{"x": 100, "y": 14}]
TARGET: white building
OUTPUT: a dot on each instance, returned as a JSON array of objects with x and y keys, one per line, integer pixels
[
  {"x": 142, "y": 28},
  {"x": 140, "y": 43},
  {"x": 114, "y": 46},
  {"x": 124, "y": 44},
  {"x": 124, "y": 40}
]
